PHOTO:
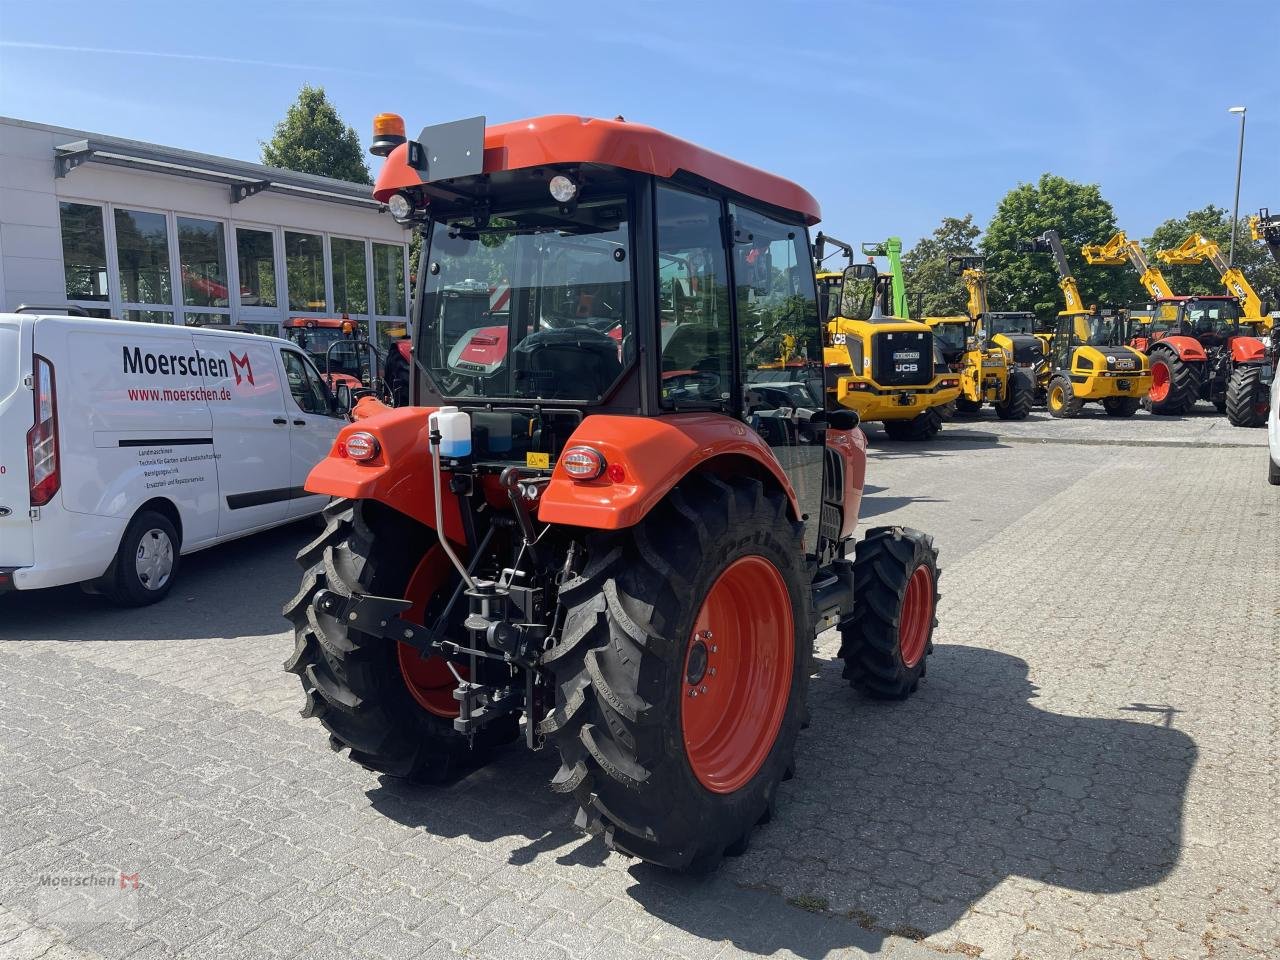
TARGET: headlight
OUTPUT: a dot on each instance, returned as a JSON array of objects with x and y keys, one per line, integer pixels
[
  {"x": 563, "y": 189},
  {"x": 401, "y": 207},
  {"x": 1111, "y": 361}
]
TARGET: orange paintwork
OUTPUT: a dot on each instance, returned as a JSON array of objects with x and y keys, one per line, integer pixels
[
  {"x": 1187, "y": 348},
  {"x": 564, "y": 138},
  {"x": 654, "y": 455},
  {"x": 1244, "y": 349},
  {"x": 852, "y": 446},
  {"x": 400, "y": 474}
]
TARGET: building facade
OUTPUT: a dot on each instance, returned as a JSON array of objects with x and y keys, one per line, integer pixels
[{"x": 155, "y": 234}]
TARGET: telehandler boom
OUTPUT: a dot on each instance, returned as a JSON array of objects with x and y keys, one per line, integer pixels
[
  {"x": 1266, "y": 227},
  {"x": 1198, "y": 248},
  {"x": 1120, "y": 250}
]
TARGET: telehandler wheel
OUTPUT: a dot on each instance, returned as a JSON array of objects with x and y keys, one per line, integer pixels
[
  {"x": 681, "y": 673},
  {"x": 885, "y": 643},
  {"x": 1062, "y": 402},
  {"x": 390, "y": 708},
  {"x": 923, "y": 426},
  {"x": 1247, "y": 401},
  {"x": 1174, "y": 384},
  {"x": 1121, "y": 406},
  {"x": 1019, "y": 397}
]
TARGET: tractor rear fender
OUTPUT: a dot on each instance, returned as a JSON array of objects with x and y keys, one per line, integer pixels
[
  {"x": 1248, "y": 350},
  {"x": 1187, "y": 348},
  {"x": 653, "y": 455},
  {"x": 851, "y": 447},
  {"x": 399, "y": 475}
]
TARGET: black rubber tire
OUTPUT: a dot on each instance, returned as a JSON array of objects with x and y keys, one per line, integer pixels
[
  {"x": 967, "y": 407},
  {"x": 923, "y": 426},
  {"x": 1247, "y": 400},
  {"x": 947, "y": 412},
  {"x": 1019, "y": 398},
  {"x": 1184, "y": 384},
  {"x": 1070, "y": 407},
  {"x": 1121, "y": 406},
  {"x": 351, "y": 680},
  {"x": 121, "y": 584},
  {"x": 1273, "y": 471},
  {"x": 884, "y": 561},
  {"x": 619, "y": 673}
]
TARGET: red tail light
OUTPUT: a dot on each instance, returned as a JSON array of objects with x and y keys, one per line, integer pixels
[{"x": 42, "y": 439}]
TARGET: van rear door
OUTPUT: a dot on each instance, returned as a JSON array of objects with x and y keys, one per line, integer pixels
[{"x": 17, "y": 416}]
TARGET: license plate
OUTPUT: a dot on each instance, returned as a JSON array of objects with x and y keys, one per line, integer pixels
[{"x": 907, "y": 355}]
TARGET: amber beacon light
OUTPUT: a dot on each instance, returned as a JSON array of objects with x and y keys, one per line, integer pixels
[{"x": 388, "y": 133}]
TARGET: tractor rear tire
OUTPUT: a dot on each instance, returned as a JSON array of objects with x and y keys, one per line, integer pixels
[
  {"x": 1061, "y": 402},
  {"x": 1175, "y": 384},
  {"x": 1247, "y": 400},
  {"x": 887, "y": 641},
  {"x": 1121, "y": 406},
  {"x": 1020, "y": 396},
  {"x": 924, "y": 426},
  {"x": 355, "y": 683},
  {"x": 711, "y": 581}
]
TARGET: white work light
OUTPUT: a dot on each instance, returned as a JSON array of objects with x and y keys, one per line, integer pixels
[
  {"x": 401, "y": 207},
  {"x": 563, "y": 189}
]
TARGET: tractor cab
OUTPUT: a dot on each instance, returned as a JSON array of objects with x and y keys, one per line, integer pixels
[{"x": 1210, "y": 320}]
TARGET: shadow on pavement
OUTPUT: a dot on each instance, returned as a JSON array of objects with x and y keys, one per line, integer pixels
[
  {"x": 901, "y": 816},
  {"x": 232, "y": 590},
  {"x": 874, "y": 506}
]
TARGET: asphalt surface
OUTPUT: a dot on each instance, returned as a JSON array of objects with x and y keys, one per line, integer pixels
[{"x": 1089, "y": 769}]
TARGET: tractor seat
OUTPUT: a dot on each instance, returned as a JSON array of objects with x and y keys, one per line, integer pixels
[{"x": 574, "y": 363}]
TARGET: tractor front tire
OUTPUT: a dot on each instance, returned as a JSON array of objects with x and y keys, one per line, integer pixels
[
  {"x": 681, "y": 673},
  {"x": 1019, "y": 397},
  {"x": 1175, "y": 385},
  {"x": 1121, "y": 406},
  {"x": 1247, "y": 401},
  {"x": 1062, "y": 403},
  {"x": 924, "y": 426},
  {"x": 886, "y": 642},
  {"x": 357, "y": 685}
]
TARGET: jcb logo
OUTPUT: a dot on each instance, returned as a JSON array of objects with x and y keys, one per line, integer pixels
[{"x": 241, "y": 363}]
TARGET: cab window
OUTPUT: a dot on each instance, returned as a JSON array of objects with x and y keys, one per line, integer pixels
[
  {"x": 305, "y": 384},
  {"x": 693, "y": 296}
]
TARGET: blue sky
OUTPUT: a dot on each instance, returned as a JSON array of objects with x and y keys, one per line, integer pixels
[{"x": 893, "y": 113}]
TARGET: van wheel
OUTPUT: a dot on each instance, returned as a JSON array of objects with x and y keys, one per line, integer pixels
[{"x": 146, "y": 562}]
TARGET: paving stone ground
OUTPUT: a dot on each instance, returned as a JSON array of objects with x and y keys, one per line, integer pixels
[{"x": 1089, "y": 770}]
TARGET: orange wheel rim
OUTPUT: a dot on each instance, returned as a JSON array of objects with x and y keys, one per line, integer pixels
[
  {"x": 737, "y": 674},
  {"x": 429, "y": 679},
  {"x": 1159, "y": 381},
  {"x": 916, "y": 616}
]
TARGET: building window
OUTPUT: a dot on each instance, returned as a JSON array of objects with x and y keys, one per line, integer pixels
[
  {"x": 256, "y": 254},
  {"x": 202, "y": 252},
  {"x": 142, "y": 244},
  {"x": 350, "y": 276},
  {"x": 388, "y": 280},
  {"x": 149, "y": 316},
  {"x": 195, "y": 319},
  {"x": 304, "y": 267},
  {"x": 84, "y": 251}
]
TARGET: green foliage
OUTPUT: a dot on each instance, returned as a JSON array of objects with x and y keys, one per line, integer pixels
[
  {"x": 1029, "y": 281},
  {"x": 1262, "y": 272},
  {"x": 313, "y": 139},
  {"x": 934, "y": 290}
]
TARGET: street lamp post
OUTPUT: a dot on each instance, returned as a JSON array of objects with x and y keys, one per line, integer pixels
[{"x": 1235, "y": 210}]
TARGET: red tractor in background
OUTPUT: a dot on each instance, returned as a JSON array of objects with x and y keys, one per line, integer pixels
[
  {"x": 1199, "y": 352},
  {"x": 353, "y": 367},
  {"x": 605, "y": 538}
]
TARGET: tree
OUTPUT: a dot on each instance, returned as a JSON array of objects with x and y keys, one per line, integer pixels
[
  {"x": 1262, "y": 272},
  {"x": 933, "y": 289},
  {"x": 1029, "y": 281},
  {"x": 313, "y": 139}
]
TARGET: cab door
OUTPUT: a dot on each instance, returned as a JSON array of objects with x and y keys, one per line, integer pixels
[
  {"x": 313, "y": 425},
  {"x": 250, "y": 431},
  {"x": 779, "y": 348}
]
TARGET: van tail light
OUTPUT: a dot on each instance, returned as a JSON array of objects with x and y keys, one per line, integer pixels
[{"x": 42, "y": 439}]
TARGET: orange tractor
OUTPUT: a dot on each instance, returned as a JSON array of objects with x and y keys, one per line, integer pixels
[{"x": 608, "y": 538}]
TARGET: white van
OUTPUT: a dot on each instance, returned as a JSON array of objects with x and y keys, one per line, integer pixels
[{"x": 125, "y": 445}]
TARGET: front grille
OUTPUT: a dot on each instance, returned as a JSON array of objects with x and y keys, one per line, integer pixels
[{"x": 902, "y": 359}]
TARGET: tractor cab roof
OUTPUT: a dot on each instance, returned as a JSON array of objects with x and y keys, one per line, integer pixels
[{"x": 564, "y": 139}]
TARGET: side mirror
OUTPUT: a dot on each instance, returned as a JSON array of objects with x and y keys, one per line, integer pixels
[
  {"x": 860, "y": 271},
  {"x": 843, "y": 419},
  {"x": 342, "y": 398}
]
